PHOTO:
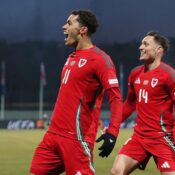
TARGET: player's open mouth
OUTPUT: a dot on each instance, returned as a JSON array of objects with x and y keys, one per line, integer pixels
[
  {"x": 66, "y": 35},
  {"x": 142, "y": 53}
]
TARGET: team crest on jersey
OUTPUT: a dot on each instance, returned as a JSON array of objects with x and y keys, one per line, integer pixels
[
  {"x": 154, "y": 82},
  {"x": 82, "y": 62}
]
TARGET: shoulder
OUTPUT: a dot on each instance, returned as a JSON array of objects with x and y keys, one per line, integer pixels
[
  {"x": 136, "y": 70},
  {"x": 102, "y": 57},
  {"x": 135, "y": 73},
  {"x": 97, "y": 51},
  {"x": 168, "y": 70}
]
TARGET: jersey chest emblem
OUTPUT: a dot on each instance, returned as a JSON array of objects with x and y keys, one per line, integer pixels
[
  {"x": 154, "y": 82},
  {"x": 82, "y": 62}
]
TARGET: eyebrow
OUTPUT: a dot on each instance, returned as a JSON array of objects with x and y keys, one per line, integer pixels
[
  {"x": 143, "y": 42},
  {"x": 68, "y": 21}
]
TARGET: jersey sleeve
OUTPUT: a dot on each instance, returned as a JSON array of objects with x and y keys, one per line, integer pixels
[
  {"x": 130, "y": 102},
  {"x": 115, "y": 102},
  {"x": 106, "y": 73},
  {"x": 171, "y": 84}
]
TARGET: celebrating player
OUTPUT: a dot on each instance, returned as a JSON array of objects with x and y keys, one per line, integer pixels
[
  {"x": 68, "y": 144},
  {"x": 152, "y": 94}
]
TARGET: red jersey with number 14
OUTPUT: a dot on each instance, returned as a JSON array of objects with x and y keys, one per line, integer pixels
[
  {"x": 153, "y": 93},
  {"x": 85, "y": 76}
]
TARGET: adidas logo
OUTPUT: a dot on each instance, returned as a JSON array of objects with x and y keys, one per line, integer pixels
[
  {"x": 137, "y": 81},
  {"x": 165, "y": 165}
]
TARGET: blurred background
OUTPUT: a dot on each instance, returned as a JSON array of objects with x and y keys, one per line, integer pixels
[{"x": 32, "y": 51}]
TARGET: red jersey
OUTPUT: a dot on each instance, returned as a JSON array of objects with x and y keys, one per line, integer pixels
[
  {"x": 85, "y": 76},
  {"x": 152, "y": 94}
]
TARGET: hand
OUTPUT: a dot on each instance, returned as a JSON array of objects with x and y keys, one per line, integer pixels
[{"x": 108, "y": 144}]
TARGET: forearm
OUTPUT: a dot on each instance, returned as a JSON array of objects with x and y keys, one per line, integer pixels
[
  {"x": 128, "y": 109},
  {"x": 115, "y": 101}
]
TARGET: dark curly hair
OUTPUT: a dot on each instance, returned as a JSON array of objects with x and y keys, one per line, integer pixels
[{"x": 88, "y": 19}]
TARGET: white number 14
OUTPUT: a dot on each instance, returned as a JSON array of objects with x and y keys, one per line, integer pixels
[{"x": 143, "y": 95}]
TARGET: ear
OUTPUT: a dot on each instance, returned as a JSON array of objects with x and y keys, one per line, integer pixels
[
  {"x": 83, "y": 30},
  {"x": 160, "y": 49}
]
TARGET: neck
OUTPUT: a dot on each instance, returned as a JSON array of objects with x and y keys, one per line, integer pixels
[
  {"x": 84, "y": 44},
  {"x": 153, "y": 64}
]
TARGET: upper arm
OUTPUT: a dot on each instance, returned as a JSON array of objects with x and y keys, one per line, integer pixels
[{"x": 105, "y": 70}]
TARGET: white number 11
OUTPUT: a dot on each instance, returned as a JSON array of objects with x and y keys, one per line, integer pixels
[{"x": 66, "y": 76}]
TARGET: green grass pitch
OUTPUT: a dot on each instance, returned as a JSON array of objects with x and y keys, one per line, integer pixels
[{"x": 17, "y": 148}]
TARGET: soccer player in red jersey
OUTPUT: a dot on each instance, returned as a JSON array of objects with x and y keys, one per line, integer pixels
[
  {"x": 88, "y": 72},
  {"x": 151, "y": 93}
]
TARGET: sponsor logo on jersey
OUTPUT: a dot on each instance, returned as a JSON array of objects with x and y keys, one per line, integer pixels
[
  {"x": 165, "y": 165},
  {"x": 146, "y": 82},
  {"x": 154, "y": 82},
  {"x": 82, "y": 62},
  {"x": 113, "y": 81},
  {"x": 137, "y": 81}
]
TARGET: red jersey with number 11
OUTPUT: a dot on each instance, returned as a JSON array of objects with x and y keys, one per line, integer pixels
[{"x": 85, "y": 76}]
